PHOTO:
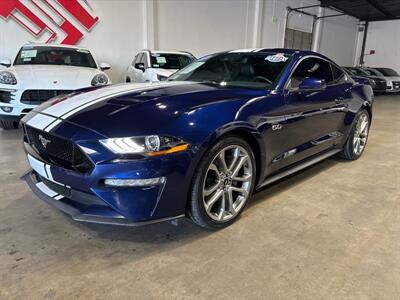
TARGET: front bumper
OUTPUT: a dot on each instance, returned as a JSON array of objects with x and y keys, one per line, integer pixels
[
  {"x": 89, "y": 199},
  {"x": 81, "y": 206},
  {"x": 19, "y": 109}
]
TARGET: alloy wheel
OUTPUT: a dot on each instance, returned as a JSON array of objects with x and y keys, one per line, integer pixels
[
  {"x": 361, "y": 134},
  {"x": 227, "y": 183}
]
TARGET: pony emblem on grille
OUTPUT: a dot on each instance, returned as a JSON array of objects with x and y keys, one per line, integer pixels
[{"x": 44, "y": 141}]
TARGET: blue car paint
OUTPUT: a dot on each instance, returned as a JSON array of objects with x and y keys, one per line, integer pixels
[{"x": 200, "y": 114}]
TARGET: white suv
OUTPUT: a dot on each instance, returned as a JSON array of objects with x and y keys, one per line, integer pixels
[
  {"x": 41, "y": 72},
  {"x": 151, "y": 65}
]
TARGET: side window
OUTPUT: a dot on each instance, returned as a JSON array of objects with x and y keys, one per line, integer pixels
[
  {"x": 338, "y": 75},
  {"x": 139, "y": 58},
  {"x": 145, "y": 59},
  {"x": 311, "y": 67},
  {"x": 135, "y": 59}
]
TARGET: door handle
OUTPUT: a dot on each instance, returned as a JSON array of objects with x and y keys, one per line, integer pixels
[{"x": 339, "y": 100}]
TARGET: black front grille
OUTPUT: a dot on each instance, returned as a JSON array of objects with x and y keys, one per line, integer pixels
[
  {"x": 59, "y": 189},
  {"x": 57, "y": 150},
  {"x": 380, "y": 84},
  {"x": 5, "y": 97},
  {"x": 36, "y": 97}
]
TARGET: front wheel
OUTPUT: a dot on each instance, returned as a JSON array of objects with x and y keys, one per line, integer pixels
[
  {"x": 223, "y": 183},
  {"x": 355, "y": 145}
]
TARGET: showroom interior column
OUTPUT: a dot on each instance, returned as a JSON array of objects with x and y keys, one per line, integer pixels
[{"x": 150, "y": 34}]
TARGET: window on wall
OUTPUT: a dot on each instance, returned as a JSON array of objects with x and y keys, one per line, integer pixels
[{"x": 296, "y": 39}]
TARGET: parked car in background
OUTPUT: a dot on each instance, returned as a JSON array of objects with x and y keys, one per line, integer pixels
[
  {"x": 391, "y": 76},
  {"x": 378, "y": 84},
  {"x": 392, "y": 82},
  {"x": 40, "y": 72},
  {"x": 198, "y": 144},
  {"x": 151, "y": 66}
]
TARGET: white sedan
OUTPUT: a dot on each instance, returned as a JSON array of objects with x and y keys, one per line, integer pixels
[
  {"x": 150, "y": 66},
  {"x": 41, "y": 72}
]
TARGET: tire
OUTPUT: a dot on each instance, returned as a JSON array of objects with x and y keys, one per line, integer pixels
[
  {"x": 212, "y": 180},
  {"x": 7, "y": 125},
  {"x": 358, "y": 137}
]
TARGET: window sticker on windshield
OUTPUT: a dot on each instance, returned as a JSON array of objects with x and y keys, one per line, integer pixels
[
  {"x": 156, "y": 65},
  {"x": 28, "y": 53},
  {"x": 27, "y": 59},
  {"x": 161, "y": 60},
  {"x": 276, "y": 58}
]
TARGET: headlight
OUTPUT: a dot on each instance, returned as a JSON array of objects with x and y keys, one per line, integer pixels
[
  {"x": 7, "y": 78},
  {"x": 152, "y": 145},
  {"x": 99, "y": 79}
]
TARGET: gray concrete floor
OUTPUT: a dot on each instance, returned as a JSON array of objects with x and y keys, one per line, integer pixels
[{"x": 329, "y": 232}]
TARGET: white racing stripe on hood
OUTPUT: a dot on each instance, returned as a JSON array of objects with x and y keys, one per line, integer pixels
[
  {"x": 67, "y": 108},
  {"x": 40, "y": 121}
]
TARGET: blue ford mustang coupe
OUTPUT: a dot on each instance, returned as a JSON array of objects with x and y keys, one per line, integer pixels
[{"x": 198, "y": 144}]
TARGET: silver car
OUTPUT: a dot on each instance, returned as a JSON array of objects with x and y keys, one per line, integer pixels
[{"x": 391, "y": 76}]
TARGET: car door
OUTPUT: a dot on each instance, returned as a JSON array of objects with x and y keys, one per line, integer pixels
[{"x": 313, "y": 120}]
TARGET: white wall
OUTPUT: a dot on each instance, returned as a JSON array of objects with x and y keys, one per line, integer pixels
[
  {"x": 384, "y": 38},
  {"x": 199, "y": 26},
  {"x": 339, "y": 38}
]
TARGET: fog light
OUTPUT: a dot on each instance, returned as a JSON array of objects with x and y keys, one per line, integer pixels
[
  {"x": 135, "y": 182},
  {"x": 6, "y": 109}
]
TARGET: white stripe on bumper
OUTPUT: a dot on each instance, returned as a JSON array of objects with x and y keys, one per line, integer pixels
[{"x": 46, "y": 190}]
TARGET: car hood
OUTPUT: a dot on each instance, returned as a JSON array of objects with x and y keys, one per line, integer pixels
[
  {"x": 392, "y": 78},
  {"x": 141, "y": 109},
  {"x": 164, "y": 72},
  {"x": 53, "y": 77}
]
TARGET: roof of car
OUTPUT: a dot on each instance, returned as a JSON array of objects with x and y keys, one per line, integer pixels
[
  {"x": 280, "y": 50},
  {"x": 55, "y": 46},
  {"x": 169, "y": 52}
]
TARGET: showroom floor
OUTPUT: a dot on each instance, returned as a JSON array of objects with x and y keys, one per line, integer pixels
[{"x": 332, "y": 231}]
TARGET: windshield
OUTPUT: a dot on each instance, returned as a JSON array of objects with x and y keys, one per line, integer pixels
[
  {"x": 55, "y": 56},
  {"x": 253, "y": 69},
  {"x": 372, "y": 72},
  {"x": 170, "y": 61},
  {"x": 356, "y": 71},
  {"x": 388, "y": 72}
]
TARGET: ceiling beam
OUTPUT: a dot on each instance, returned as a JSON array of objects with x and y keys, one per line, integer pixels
[{"x": 375, "y": 4}]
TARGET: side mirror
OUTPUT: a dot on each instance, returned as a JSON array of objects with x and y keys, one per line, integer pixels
[
  {"x": 5, "y": 62},
  {"x": 311, "y": 84},
  {"x": 104, "y": 66},
  {"x": 140, "y": 66}
]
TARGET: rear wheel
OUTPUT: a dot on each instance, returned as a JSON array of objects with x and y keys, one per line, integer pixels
[
  {"x": 222, "y": 184},
  {"x": 6, "y": 125},
  {"x": 355, "y": 145}
]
